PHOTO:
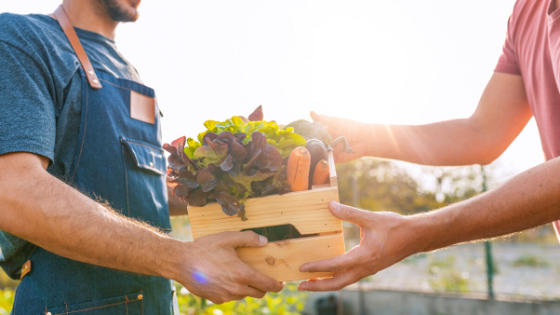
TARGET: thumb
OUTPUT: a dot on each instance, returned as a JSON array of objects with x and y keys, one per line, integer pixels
[
  {"x": 315, "y": 116},
  {"x": 350, "y": 214},
  {"x": 246, "y": 239},
  {"x": 335, "y": 126},
  {"x": 325, "y": 120}
]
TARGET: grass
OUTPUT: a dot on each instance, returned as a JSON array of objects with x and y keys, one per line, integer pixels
[
  {"x": 530, "y": 261},
  {"x": 287, "y": 302},
  {"x": 448, "y": 279},
  {"x": 6, "y": 301},
  {"x": 414, "y": 258}
]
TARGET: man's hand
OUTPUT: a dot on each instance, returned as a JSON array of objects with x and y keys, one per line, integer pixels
[
  {"x": 385, "y": 240},
  {"x": 358, "y": 135},
  {"x": 527, "y": 200},
  {"x": 215, "y": 272},
  {"x": 503, "y": 111},
  {"x": 49, "y": 213}
]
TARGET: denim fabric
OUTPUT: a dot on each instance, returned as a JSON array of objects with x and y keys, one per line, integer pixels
[
  {"x": 41, "y": 98},
  {"x": 119, "y": 160}
]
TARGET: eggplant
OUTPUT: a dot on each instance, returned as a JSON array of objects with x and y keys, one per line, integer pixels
[{"x": 318, "y": 152}]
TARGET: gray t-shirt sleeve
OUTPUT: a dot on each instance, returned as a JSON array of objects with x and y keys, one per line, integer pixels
[{"x": 27, "y": 111}]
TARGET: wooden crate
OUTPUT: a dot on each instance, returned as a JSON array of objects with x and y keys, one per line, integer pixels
[{"x": 307, "y": 211}]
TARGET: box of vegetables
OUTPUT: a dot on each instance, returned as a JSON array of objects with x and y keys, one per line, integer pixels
[{"x": 249, "y": 174}]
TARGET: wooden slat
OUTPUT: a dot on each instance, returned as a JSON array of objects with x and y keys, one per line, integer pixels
[
  {"x": 281, "y": 260},
  {"x": 306, "y": 210}
]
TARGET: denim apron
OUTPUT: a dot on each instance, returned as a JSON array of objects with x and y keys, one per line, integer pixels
[{"x": 118, "y": 160}]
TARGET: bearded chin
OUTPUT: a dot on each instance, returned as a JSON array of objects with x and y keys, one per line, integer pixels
[{"x": 117, "y": 12}]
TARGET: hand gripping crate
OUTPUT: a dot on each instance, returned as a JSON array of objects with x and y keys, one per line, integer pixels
[{"x": 307, "y": 211}]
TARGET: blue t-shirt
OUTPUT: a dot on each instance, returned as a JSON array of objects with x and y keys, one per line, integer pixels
[{"x": 40, "y": 98}]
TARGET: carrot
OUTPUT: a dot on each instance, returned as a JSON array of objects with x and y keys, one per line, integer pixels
[
  {"x": 298, "y": 169},
  {"x": 321, "y": 174}
]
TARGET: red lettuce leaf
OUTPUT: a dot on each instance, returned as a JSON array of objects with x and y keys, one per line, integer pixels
[
  {"x": 225, "y": 170},
  {"x": 206, "y": 180},
  {"x": 257, "y": 114}
]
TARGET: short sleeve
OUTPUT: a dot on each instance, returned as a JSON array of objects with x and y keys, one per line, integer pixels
[
  {"x": 27, "y": 112},
  {"x": 508, "y": 60}
]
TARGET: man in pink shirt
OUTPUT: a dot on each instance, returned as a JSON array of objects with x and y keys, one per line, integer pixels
[{"x": 526, "y": 83}]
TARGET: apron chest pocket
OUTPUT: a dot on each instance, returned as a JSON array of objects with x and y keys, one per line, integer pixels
[
  {"x": 126, "y": 304},
  {"x": 146, "y": 189}
]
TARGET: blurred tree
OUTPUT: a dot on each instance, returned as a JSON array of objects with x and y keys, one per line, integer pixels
[{"x": 384, "y": 185}]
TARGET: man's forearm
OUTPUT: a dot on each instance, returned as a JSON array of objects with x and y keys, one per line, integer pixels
[
  {"x": 502, "y": 112},
  {"x": 453, "y": 142},
  {"x": 45, "y": 211},
  {"x": 528, "y": 200}
]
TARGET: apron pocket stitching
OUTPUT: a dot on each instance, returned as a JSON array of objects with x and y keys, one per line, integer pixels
[
  {"x": 104, "y": 306},
  {"x": 99, "y": 307},
  {"x": 145, "y": 145}
]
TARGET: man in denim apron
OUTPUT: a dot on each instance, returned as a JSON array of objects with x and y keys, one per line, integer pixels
[{"x": 79, "y": 137}]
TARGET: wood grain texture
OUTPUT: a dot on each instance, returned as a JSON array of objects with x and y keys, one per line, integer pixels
[
  {"x": 307, "y": 211},
  {"x": 281, "y": 260},
  {"x": 333, "y": 179}
]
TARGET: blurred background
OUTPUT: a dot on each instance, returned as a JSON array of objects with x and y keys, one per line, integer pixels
[{"x": 381, "y": 61}]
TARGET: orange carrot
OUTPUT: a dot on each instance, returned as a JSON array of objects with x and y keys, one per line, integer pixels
[
  {"x": 298, "y": 169},
  {"x": 321, "y": 174}
]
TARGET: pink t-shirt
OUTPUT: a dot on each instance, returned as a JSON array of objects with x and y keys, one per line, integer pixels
[{"x": 532, "y": 50}]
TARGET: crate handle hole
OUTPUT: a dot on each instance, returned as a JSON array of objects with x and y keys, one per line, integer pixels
[{"x": 279, "y": 232}]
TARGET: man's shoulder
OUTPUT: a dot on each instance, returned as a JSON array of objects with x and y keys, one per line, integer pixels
[
  {"x": 10, "y": 21},
  {"x": 12, "y": 24},
  {"x": 27, "y": 31},
  {"x": 41, "y": 39}
]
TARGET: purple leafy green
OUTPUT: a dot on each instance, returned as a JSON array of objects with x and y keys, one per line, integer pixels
[{"x": 231, "y": 161}]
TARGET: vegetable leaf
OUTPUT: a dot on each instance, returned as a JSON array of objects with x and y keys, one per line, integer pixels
[
  {"x": 231, "y": 161},
  {"x": 246, "y": 180}
]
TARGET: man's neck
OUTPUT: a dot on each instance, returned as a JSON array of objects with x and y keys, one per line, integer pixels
[{"x": 83, "y": 14}]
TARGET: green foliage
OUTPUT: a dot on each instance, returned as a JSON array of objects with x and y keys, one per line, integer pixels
[
  {"x": 6, "y": 282},
  {"x": 232, "y": 161},
  {"x": 6, "y": 301},
  {"x": 435, "y": 266},
  {"x": 287, "y": 302},
  {"x": 541, "y": 235},
  {"x": 384, "y": 185},
  {"x": 448, "y": 278},
  {"x": 531, "y": 261},
  {"x": 414, "y": 258},
  {"x": 285, "y": 141}
]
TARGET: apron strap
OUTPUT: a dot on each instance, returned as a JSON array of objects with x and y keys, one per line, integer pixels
[{"x": 68, "y": 29}]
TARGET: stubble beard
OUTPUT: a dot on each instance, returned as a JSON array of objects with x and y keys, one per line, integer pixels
[{"x": 116, "y": 11}]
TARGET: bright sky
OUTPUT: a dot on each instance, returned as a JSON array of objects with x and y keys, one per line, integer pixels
[{"x": 405, "y": 62}]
